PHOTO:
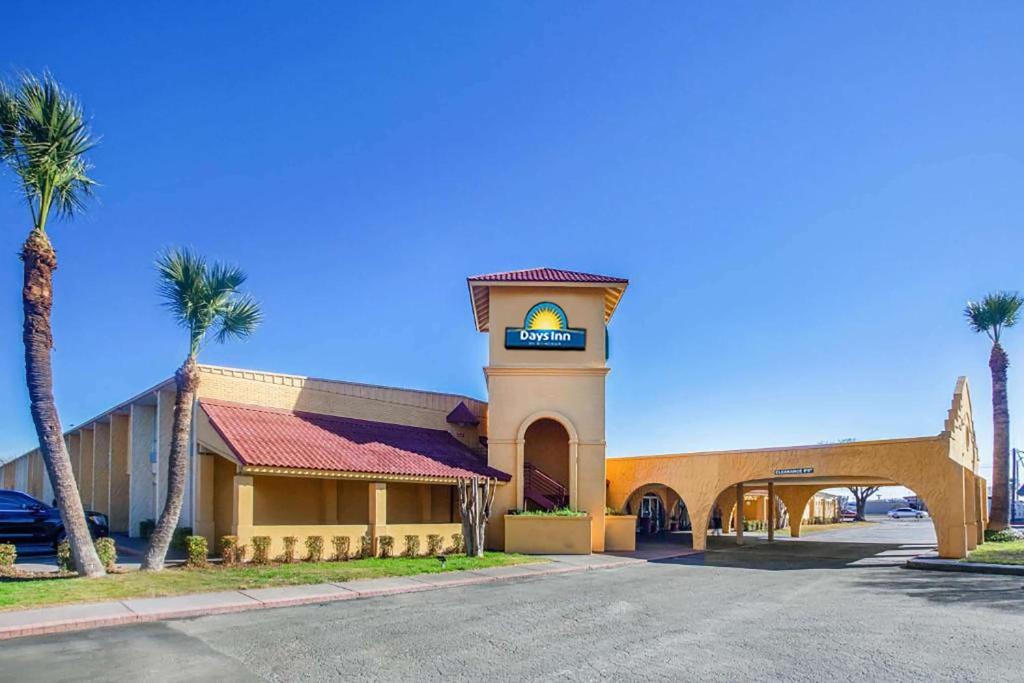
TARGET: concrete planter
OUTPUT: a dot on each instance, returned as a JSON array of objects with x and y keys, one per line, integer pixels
[
  {"x": 620, "y": 533},
  {"x": 547, "y": 535}
]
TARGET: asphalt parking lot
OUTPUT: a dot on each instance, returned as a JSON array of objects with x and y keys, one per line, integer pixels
[{"x": 819, "y": 607}]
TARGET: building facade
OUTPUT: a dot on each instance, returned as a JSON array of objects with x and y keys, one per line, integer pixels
[{"x": 282, "y": 455}]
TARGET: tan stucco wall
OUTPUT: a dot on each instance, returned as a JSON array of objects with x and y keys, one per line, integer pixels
[
  {"x": 567, "y": 386},
  {"x": 620, "y": 533},
  {"x": 548, "y": 535}
]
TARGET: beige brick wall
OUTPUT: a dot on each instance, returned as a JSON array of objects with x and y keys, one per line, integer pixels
[{"x": 344, "y": 399}]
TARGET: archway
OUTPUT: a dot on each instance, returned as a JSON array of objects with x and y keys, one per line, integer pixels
[
  {"x": 547, "y": 465},
  {"x": 662, "y": 514}
]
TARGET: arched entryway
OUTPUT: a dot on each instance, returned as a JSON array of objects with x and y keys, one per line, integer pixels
[
  {"x": 662, "y": 514},
  {"x": 547, "y": 465}
]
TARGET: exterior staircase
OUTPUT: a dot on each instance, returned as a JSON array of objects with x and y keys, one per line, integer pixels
[{"x": 542, "y": 490}]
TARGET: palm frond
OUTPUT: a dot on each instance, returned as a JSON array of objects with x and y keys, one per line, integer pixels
[
  {"x": 239, "y": 319},
  {"x": 44, "y": 139},
  {"x": 203, "y": 296},
  {"x": 995, "y": 312}
]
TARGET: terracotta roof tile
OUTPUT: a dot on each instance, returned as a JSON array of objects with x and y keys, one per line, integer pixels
[
  {"x": 544, "y": 275},
  {"x": 269, "y": 437}
]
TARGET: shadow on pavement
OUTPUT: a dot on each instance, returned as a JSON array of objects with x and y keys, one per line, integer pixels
[
  {"x": 788, "y": 555},
  {"x": 998, "y": 592}
]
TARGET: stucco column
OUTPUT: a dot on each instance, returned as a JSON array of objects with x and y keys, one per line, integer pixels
[
  {"x": 520, "y": 474},
  {"x": 574, "y": 475},
  {"x": 204, "y": 500},
  {"x": 699, "y": 518},
  {"x": 970, "y": 491},
  {"x": 739, "y": 514},
  {"x": 981, "y": 507},
  {"x": 378, "y": 500},
  {"x": 771, "y": 512},
  {"x": 796, "y": 498},
  {"x": 242, "y": 509},
  {"x": 329, "y": 501}
]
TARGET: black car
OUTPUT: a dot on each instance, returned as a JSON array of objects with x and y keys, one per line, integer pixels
[{"x": 23, "y": 519}]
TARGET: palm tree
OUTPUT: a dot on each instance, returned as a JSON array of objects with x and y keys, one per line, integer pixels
[
  {"x": 44, "y": 139},
  {"x": 202, "y": 298},
  {"x": 994, "y": 313}
]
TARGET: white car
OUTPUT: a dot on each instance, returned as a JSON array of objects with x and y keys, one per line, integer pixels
[{"x": 903, "y": 513}]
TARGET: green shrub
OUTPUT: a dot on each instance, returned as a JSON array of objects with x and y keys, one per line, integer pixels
[
  {"x": 107, "y": 551},
  {"x": 197, "y": 551},
  {"x": 1002, "y": 535},
  {"x": 64, "y": 561},
  {"x": 8, "y": 554},
  {"x": 412, "y": 545},
  {"x": 289, "y": 548},
  {"x": 387, "y": 545},
  {"x": 146, "y": 528},
  {"x": 341, "y": 547},
  {"x": 315, "y": 548},
  {"x": 366, "y": 546},
  {"x": 435, "y": 544},
  {"x": 178, "y": 537},
  {"x": 229, "y": 550},
  {"x": 261, "y": 549},
  {"x": 554, "y": 512},
  {"x": 458, "y": 543}
]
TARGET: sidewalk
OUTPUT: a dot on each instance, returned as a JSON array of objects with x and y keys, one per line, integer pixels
[{"x": 75, "y": 617}]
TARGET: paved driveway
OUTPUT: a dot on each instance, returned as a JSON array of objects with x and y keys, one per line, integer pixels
[{"x": 798, "y": 610}]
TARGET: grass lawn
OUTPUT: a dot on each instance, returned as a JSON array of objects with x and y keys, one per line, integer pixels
[
  {"x": 20, "y": 593},
  {"x": 1011, "y": 552}
]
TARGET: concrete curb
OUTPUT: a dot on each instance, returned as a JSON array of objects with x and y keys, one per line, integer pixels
[
  {"x": 937, "y": 565},
  {"x": 46, "y": 620}
]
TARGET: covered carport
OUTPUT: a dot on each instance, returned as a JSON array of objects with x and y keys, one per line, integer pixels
[{"x": 942, "y": 470}]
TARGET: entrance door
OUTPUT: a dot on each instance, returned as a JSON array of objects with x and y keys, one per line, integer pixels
[{"x": 651, "y": 517}]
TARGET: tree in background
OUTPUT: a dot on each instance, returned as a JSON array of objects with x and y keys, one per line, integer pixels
[
  {"x": 994, "y": 313},
  {"x": 861, "y": 495},
  {"x": 44, "y": 140},
  {"x": 204, "y": 299}
]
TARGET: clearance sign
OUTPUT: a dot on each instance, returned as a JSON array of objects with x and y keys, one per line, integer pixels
[{"x": 546, "y": 327}]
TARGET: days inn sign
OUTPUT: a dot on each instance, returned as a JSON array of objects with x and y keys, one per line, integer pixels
[{"x": 546, "y": 327}]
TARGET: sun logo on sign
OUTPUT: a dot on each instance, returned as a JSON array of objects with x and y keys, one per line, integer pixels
[{"x": 546, "y": 316}]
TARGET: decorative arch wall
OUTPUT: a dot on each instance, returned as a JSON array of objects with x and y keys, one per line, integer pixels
[
  {"x": 941, "y": 469},
  {"x": 574, "y": 441}
]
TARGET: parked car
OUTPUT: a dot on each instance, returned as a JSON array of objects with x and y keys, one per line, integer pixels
[
  {"x": 848, "y": 514},
  {"x": 23, "y": 519},
  {"x": 904, "y": 513}
]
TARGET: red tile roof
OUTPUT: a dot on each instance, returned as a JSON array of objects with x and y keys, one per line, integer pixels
[
  {"x": 269, "y": 437},
  {"x": 545, "y": 275}
]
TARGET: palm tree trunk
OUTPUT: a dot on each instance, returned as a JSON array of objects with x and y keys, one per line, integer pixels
[
  {"x": 186, "y": 381},
  {"x": 37, "y": 300},
  {"x": 999, "y": 517}
]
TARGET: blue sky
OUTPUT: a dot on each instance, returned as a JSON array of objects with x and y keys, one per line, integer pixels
[{"x": 803, "y": 196}]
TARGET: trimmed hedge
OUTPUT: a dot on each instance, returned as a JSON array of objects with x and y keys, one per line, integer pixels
[
  {"x": 107, "y": 551},
  {"x": 8, "y": 554},
  {"x": 435, "y": 544},
  {"x": 229, "y": 555},
  {"x": 315, "y": 548},
  {"x": 387, "y": 544},
  {"x": 197, "y": 551},
  {"x": 261, "y": 549},
  {"x": 341, "y": 547},
  {"x": 64, "y": 561},
  {"x": 412, "y": 545},
  {"x": 289, "y": 548}
]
